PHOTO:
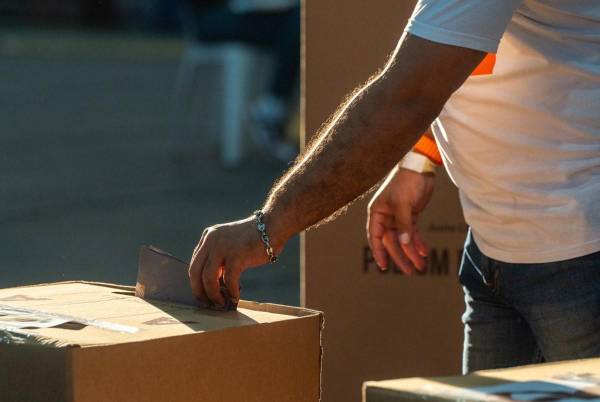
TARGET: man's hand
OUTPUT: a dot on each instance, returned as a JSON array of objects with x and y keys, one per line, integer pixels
[
  {"x": 226, "y": 251},
  {"x": 392, "y": 219}
]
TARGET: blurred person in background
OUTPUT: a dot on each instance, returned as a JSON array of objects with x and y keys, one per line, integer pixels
[{"x": 273, "y": 25}]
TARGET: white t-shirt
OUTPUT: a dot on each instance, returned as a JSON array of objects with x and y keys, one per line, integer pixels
[{"x": 523, "y": 143}]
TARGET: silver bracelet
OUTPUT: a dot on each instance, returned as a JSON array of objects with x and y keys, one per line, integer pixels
[{"x": 260, "y": 226}]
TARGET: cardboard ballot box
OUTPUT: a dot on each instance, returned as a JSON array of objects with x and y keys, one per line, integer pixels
[
  {"x": 379, "y": 324},
  {"x": 90, "y": 342},
  {"x": 577, "y": 380}
]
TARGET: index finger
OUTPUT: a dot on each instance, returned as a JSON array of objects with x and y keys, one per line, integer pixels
[
  {"x": 199, "y": 245},
  {"x": 195, "y": 274},
  {"x": 199, "y": 259}
]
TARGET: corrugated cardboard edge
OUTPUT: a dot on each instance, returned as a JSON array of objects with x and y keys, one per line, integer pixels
[
  {"x": 298, "y": 312},
  {"x": 322, "y": 315}
]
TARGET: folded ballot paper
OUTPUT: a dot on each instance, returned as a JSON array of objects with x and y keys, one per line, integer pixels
[
  {"x": 94, "y": 342},
  {"x": 162, "y": 276}
]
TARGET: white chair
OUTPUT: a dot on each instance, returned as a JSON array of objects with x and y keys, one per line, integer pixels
[{"x": 239, "y": 76}]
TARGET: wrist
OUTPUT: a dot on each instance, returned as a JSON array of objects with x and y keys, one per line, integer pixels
[
  {"x": 275, "y": 229},
  {"x": 417, "y": 162}
]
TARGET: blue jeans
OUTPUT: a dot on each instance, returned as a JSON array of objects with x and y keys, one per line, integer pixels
[{"x": 520, "y": 314}]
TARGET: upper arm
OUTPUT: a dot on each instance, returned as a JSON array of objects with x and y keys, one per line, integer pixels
[
  {"x": 422, "y": 74},
  {"x": 445, "y": 40}
]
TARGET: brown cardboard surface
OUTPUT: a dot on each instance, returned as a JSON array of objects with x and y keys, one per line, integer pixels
[
  {"x": 154, "y": 319},
  {"x": 180, "y": 353},
  {"x": 453, "y": 388},
  {"x": 379, "y": 325}
]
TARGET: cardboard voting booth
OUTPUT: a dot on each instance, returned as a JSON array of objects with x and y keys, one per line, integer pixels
[
  {"x": 91, "y": 342},
  {"x": 379, "y": 324},
  {"x": 572, "y": 381}
]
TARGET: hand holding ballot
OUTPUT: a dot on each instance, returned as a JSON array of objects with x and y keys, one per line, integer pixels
[{"x": 223, "y": 253}]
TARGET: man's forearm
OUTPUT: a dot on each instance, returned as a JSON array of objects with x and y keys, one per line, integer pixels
[
  {"x": 369, "y": 134},
  {"x": 367, "y": 137}
]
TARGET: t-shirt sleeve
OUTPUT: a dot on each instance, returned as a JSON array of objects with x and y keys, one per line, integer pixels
[{"x": 474, "y": 24}]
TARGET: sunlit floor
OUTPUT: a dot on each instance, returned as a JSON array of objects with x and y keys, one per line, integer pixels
[{"x": 85, "y": 174}]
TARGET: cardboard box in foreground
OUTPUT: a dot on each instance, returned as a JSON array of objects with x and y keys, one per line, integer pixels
[
  {"x": 577, "y": 380},
  {"x": 118, "y": 347}
]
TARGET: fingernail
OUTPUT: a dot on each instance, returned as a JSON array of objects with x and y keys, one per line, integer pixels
[
  {"x": 234, "y": 300},
  {"x": 383, "y": 269},
  {"x": 405, "y": 238}
]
